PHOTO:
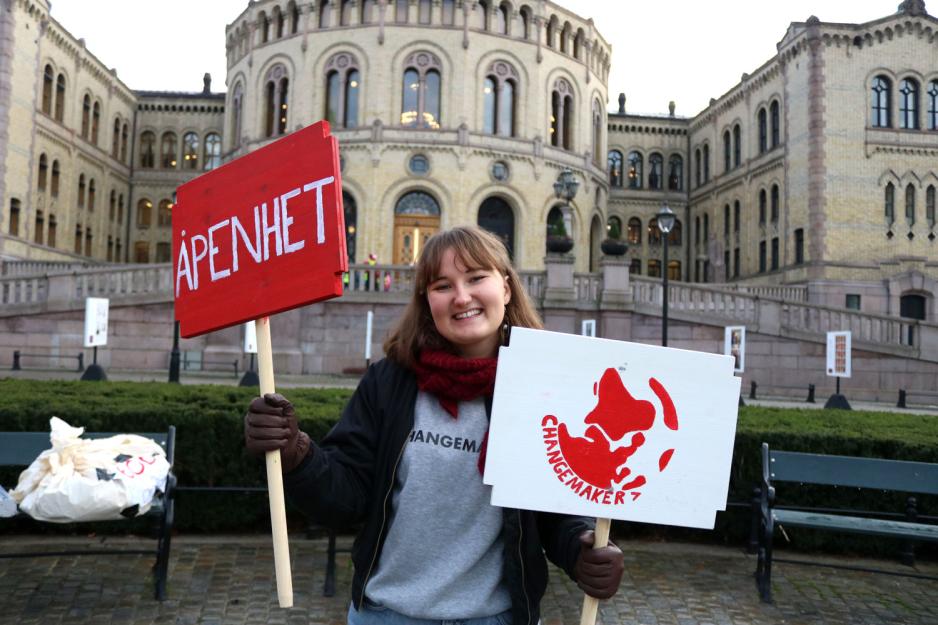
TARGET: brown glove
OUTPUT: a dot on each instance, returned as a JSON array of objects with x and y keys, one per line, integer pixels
[
  {"x": 598, "y": 571},
  {"x": 270, "y": 424}
]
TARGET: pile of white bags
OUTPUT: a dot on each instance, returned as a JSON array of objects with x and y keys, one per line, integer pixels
[{"x": 91, "y": 479}]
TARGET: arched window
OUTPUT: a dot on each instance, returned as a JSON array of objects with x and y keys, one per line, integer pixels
[
  {"x": 776, "y": 123},
  {"x": 54, "y": 187},
  {"x": 168, "y": 150},
  {"x": 908, "y": 104},
  {"x": 635, "y": 164},
  {"x": 496, "y": 216},
  {"x": 737, "y": 146},
  {"x": 147, "y": 150},
  {"x": 880, "y": 96},
  {"x": 706, "y": 163},
  {"x": 498, "y": 99},
  {"x": 774, "y": 203},
  {"x": 655, "y": 171},
  {"x": 420, "y": 107},
  {"x": 325, "y": 12},
  {"x": 890, "y": 204},
  {"x": 449, "y": 12},
  {"x": 95, "y": 122},
  {"x": 424, "y": 10},
  {"x": 400, "y": 11},
  {"x": 932, "y": 105},
  {"x": 763, "y": 206},
  {"x": 706, "y": 227},
  {"x": 60, "y": 97},
  {"x": 654, "y": 268},
  {"x": 263, "y": 26},
  {"x": 367, "y": 16},
  {"x": 550, "y": 32},
  {"x": 565, "y": 35},
  {"x": 164, "y": 215},
  {"x": 85, "y": 116},
  {"x": 697, "y": 230},
  {"x": 112, "y": 206},
  {"x": 763, "y": 131},
  {"x": 697, "y": 164},
  {"x": 43, "y": 173},
  {"x": 294, "y": 17},
  {"x": 125, "y": 131},
  {"x": 190, "y": 151},
  {"x": 116, "y": 138},
  {"x": 343, "y": 84},
  {"x": 50, "y": 238},
  {"x": 737, "y": 210},
  {"x": 501, "y": 20},
  {"x": 81, "y": 190},
  {"x": 910, "y": 205},
  {"x": 597, "y": 132},
  {"x": 350, "y": 208},
  {"x": 144, "y": 213},
  {"x": 654, "y": 233},
  {"x": 345, "y": 12},
  {"x": 120, "y": 211},
  {"x": 416, "y": 219},
  {"x": 280, "y": 22},
  {"x": 614, "y": 163},
  {"x": 561, "y": 114},
  {"x": 930, "y": 206},
  {"x": 559, "y": 222},
  {"x": 237, "y": 101},
  {"x": 674, "y": 270},
  {"x": 14, "y": 217},
  {"x": 635, "y": 231},
  {"x": 92, "y": 193},
  {"x": 578, "y": 44},
  {"x": 212, "y": 151},
  {"x": 726, "y": 221},
  {"x": 276, "y": 92},
  {"x": 48, "y": 79},
  {"x": 676, "y": 173},
  {"x": 614, "y": 228},
  {"x": 525, "y": 22},
  {"x": 483, "y": 15},
  {"x": 417, "y": 203},
  {"x": 727, "y": 157}
]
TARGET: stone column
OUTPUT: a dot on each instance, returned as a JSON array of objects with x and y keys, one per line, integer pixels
[
  {"x": 560, "y": 294},
  {"x": 615, "y": 300}
]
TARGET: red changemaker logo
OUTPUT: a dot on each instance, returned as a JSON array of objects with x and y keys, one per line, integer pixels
[{"x": 588, "y": 465}]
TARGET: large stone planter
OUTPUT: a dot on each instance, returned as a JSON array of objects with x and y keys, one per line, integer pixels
[
  {"x": 558, "y": 244},
  {"x": 614, "y": 247}
]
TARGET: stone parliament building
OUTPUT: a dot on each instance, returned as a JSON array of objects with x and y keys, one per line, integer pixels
[{"x": 818, "y": 169}]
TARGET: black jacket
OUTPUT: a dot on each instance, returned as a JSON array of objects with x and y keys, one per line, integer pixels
[{"x": 349, "y": 479}]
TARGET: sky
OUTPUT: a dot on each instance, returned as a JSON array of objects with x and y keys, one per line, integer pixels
[{"x": 683, "y": 50}]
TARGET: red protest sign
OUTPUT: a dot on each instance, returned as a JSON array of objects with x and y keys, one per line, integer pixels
[{"x": 260, "y": 235}]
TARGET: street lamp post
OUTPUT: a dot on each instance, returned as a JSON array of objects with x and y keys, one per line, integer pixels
[
  {"x": 665, "y": 224},
  {"x": 174, "y": 355},
  {"x": 565, "y": 188}
]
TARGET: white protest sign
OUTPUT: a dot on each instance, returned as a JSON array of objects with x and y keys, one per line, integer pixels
[
  {"x": 250, "y": 337},
  {"x": 96, "y": 312},
  {"x": 838, "y": 354},
  {"x": 734, "y": 344},
  {"x": 633, "y": 432}
]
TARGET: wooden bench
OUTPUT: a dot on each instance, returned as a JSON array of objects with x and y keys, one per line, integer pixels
[
  {"x": 19, "y": 449},
  {"x": 842, "y": 471},
  {"x": 753, "y": 386},
  {"x": 18, "y": 359}
]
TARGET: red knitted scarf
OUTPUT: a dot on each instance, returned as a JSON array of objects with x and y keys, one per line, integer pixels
[{"x": 452, "y": 379}]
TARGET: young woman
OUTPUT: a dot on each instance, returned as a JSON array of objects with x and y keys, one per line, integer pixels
[{"x": 406, "y": 458}]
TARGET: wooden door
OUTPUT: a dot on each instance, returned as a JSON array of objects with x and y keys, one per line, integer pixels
[{"x": 411, "y": 233}]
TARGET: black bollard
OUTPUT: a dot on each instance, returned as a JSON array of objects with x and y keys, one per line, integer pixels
[
  {"x": 899, "y": 404},
  {"x": 16, "y": 360},
  {"x": 810, "y": 399},
  {"x": 752, "y": 389}
]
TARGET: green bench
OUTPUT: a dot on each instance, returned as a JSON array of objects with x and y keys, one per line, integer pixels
[
  {"x": 838, "y": 471},
  {"x": 19, "y": 449}
]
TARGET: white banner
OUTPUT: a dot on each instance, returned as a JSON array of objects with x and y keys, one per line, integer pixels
[
  {"x": 96, "y": 313},
  {"x": 734, "y": 344},
  {"x": 250, "y": 337},
  {"x": 838, "y": 354},
  {"x": 628, "y": 431}
]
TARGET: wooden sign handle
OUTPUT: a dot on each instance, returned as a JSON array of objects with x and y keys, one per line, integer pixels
[
  {"x": 278, "y": 511},
  {"x": 591, "y": 604}
]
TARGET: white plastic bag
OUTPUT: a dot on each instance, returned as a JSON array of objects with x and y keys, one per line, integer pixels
[{"x": 91, "y": 479}]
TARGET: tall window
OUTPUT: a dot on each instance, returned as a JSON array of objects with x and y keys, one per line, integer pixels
[
  {"x": 654, "y": 233},
  {"x": 697, "y": 177},
  {"x": 736, "y": 216},
  {"x": 141, "y": 252},
  {"x": 726, "y": 221},
  {"x": 910, "y": 205},
  {"x": 147, "y": 150},
  {"x": 799, "y": 246},
  {"x": 325, "y": 12},
  {"x": 294, "y": 17},
  {"x": 763, "y": 205},
  {"x": 56, "y": 174},
  {"x": 112, "y": 205},
  {"x": 706, "y": 163},
  {"x": 930, "y": 206},
  {"x": 880, "y": 102},
  {"x": 125, "y": 131},
  {"x": 776, "y": 123},
  {"x": 212, "y": 151},
  {"x": 635, "y": 231},
  {"x": 697, "y": 230},
  {"x": 550, "y": 32},
  {"x": 676, "y": 236},
  {"x": 654, "y": 268},
  {"x": 561, "y": 118},
  {"x": 727, "y": 156},
  {"x": 276, "y": 91},
  {"x": 501, "y": 20},
  {"x": 774, "y": 253},
  {"x": 737, "y": 146},
  {"x": 498, "y": 97},
  {"x": 263, "y": 25},
  {"x": 236, "y": 110},
  {"x": 81, "y": 190},
  {"x": 655, "y": 171},
  {"x": 908, "y": 104},
  {"x": 190, "y": 151},
  {"x": 525, "y": 22},
  {"x": 598, "y": 126},
  {"x": 345, "y": 12},
  {"x": 168, "y": 151},
  {"x": 78, "y": 239},
  {"x": 449, "y": 12},
  {"x": 60, "y": 97},
  {"x": 88, "y": 241},
  {"x": 614, "y": 164},
  {"x": 92, "y": 194},
  {"x": 85, "y": 116},
  {"x": 890, "y": 204},
  {"x": 932, "y": 105},
  {"x": 164, "y": 215},
  {"x": 424, "y": 9},
  {"x": 763, "y": 131},
  {"x": 14, "y": 217},
  {"x": 774, "y": 206},
  {"x": 706, "y": 227},
  {"x": 95, "y": 122},
  {"x": 676, "y": 173},
  {"x": 635, "y": 166},
  {"x": 368, "y": 11},
  {"x": 48, "y": 80},
  {"x": 43, "y": 173},
  {"x": 421, "y": 88},
  {"x": 50, "y": 239},
  {"x": 144, "y": 213},
  {"x": 400, "y": 11},
  {"x": 762, "y": 263}
]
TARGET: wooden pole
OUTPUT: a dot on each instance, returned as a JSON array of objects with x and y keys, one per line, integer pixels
[
  {"x": 591, "y": 604},
  {"x": 278, "y": 513}
]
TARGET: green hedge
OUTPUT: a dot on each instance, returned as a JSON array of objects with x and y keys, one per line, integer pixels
[{"x": 210, "y": 451}]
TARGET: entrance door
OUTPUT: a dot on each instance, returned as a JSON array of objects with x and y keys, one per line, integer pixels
[
  {"x": 496, "y": 216},
  {"x": 411, "y": 233},
  {"x": 912, "y": 307}
]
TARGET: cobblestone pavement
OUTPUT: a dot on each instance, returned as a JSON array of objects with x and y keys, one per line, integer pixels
[{"x": 229, "y": 581}]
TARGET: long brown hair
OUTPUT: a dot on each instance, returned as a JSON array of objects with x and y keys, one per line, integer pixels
[{"x": 475, "y": 248}]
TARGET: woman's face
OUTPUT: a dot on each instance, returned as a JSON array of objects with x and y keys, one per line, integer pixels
[{"x": 468, "y": 306}]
